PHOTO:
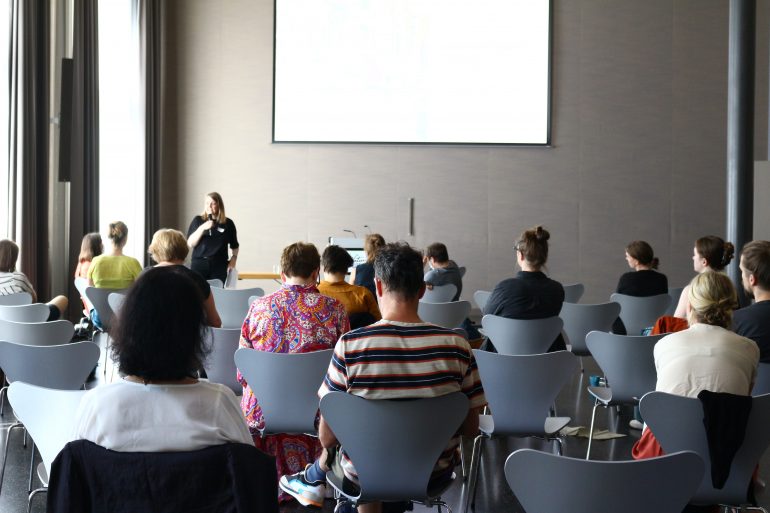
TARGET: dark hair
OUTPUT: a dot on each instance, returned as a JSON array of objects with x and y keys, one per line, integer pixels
[
  {"x": 336, "y": 260},
  {"x": 533, "y": 245},
  {"x": 90, "y": 247},
  {"x": 9, "y": 254},
  {"x": 372, "y": 243},
  {"x": 118, "y": 233},
  {"x": 399, "y": 267},
  {"x": 300, "y": 260},
  {"x": 755, "y": 258},
  {"x": 437, "y": 251},
  {"x": 642, "y": 252},
  {"x": 161, "y": 330},
  {"x": 716, "y": 251}
]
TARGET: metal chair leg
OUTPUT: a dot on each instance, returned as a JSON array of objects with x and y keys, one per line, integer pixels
[
  {"x": 3, "y": 393},
  {"x": 31, "y": 467},
  {"x": 472, "y": 473},
  {"x": 475, "y": 471},
  {"x": 5, "y": 450},
  {"x": 591, "y": 431},
  {"x": 32, "y": 496},
  {"x": 463, "y": 468}
]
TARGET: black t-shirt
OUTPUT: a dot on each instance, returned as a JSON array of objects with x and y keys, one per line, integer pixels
[
  {"x": 214, "y": 245},
  {"x": 200, "y": 282},
  {"x": 643, "y": 283},
  {"x": 754, "y": 322},
  {"x": 365, "y": 276},
  {"x": 530, "y": 295}
]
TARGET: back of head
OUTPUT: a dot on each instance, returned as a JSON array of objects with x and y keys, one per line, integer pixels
[
  {"x": 716, "y": 251},
  {"x": 642, "y": 252},
  {"x": 168, "y": 245},
  {"x": 160, "y": 332},
  {"x": 90, "y": 247},
  {"x": 372, "y": 243},
  {"x": 9, "y": 254},
  {"x": 118, "y": 233},
  {"x": 712, "y": 299},
  {"x": 438, "y": 252},
  {"x": 300, "y": 260},
  {"x": 399, "y": 267},
  {"x": 755, "y": 258},
  {"x": 533, "y": 245},
  {"x": 336, "y": 260}
]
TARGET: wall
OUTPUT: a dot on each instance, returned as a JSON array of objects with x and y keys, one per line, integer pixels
[{"x": 638, "y": 131}]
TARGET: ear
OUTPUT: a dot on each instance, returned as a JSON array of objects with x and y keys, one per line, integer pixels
[
  {"x": 378, "y": 286},
  {"x": 752, "y": 280},
  {"x": 283, "y": 277}
]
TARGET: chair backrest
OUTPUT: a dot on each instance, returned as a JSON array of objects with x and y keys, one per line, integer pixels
[
  {"x": 521, "y": 336},
  {"x": 674, "y": 293},
  {"x": 762, "y": 382},
  {"x": 115, "y": 301},
  {"x": 480, "y": 297},
  {"x": 573, "y": 292},
  {"x": 449, "y": 315},
  {"x": 285, "y": 385},
  {"x": 99, "y": 298},
  {"x": 662, "y": 485},
  {"x": 233, "y": 304},
  {"x": 36, "y": 312},
  {"x": 216, "y": 282},
  {"x": 638, "y": 313},
  {"x": 81, "y": 284},
  {"x": 677, "y": 423},
  {"x": 579, "y": 320},
  {"x": 18, "y": 298},
  {"x": 47, "y": 414},
  {"x": 63, "y": 367},
  {"x": 417, "y": 432},
  {"x": 220, "y": 364},
  {"x": 440, "y": 294},
  {"x": 627, "y": 362},
  {"x": 520, "y": 389},
  {"x": 37, "y": 333}
]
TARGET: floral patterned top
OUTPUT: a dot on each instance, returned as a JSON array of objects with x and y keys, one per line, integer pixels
[{"x": 294, "y": 319}]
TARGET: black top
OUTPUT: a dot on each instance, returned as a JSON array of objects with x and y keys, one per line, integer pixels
[
  {"x": 754, "y": 322},
  {"x": 202, "y": 284},
  {"x": 530, "y": 295},
  {"x": 643, "y": 283},
  {"x": 446, "y": 275},
  {"x": 365, "y": 276},
  {"x": 214, "y": 245}
]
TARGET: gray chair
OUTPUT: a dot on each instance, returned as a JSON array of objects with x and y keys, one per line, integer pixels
[
  {"x": 520, "y": 336},
  {"x": 115, "y": 301},
  {"x": 639, "y": 313},
  {"x": 81, "y": 284},
  {"x": 233, "y": 304},
  {"x": 629, "y": 366},
  {"x": 449, "y": 315},
  {"x": 660, "y": 485},
  {"x": 35, "y": 312},
  {"x": 579, "y": 320},
  {"x": 417, "y": 431},
  {"x": 573, "y": 292},
  {"x": 762, "y": 382},
  {"x": 216, "y": 282},
  {"x": 16, "y": 299},
  {"x": 440, "y": 294},
  {"x": 286, "y": 386},
  {"x": 677, "y": 423},
  {"x": 220, "y": 365},
  {"x": 674, "y": 293},
  {"x": 520, "y": 390},
  {"x": 99, "y": 298},
  {"x": 480, "y": 297},
  {"x": 37, "y": 333}
]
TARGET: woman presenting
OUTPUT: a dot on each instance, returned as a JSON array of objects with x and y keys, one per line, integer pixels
[{"x": 209, "y": 235}]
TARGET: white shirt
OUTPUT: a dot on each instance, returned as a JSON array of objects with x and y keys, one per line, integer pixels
[
  {"x": 133, "y": 417},
  {"x": 705, "y": 357}
]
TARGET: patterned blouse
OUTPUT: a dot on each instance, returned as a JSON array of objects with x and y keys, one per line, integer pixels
[{"x": 294, "y": 319}]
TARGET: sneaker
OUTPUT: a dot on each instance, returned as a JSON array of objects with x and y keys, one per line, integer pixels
[
  {"x": 635, "y": 424},
  {"x": 308, "y": 494}
]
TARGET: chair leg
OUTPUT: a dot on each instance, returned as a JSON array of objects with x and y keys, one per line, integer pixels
[
  {"x": 32, "y": 495},
  {"x": 5, "y": 450},
  {"x": 463, "y": 468},
  {"x": 473, "y": 474},
  {"x": 3, "y": 392},
  {"x": 558, "y": 445},
  {"x": 591, "y": 431},
  {"x": 31, "y": 467}
]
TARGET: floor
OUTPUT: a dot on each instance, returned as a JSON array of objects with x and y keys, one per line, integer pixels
[{"x": 494, "y": 495}]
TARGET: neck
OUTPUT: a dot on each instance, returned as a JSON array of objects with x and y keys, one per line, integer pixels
[
  {"x": 169, "y": 262},
  {"x": 527, "y": 267},
  {"x": 183, "y": 381},
  {"x": 396, "y": 309},
  {"x": 296, "y": 280},
  {"x": 334, "y": 277},
  {"x": 116, "y": 252},
  {"x": 642, "y": 267},
  {"x": 760, "y": 294},
  {"x": 440, "y": 265}
]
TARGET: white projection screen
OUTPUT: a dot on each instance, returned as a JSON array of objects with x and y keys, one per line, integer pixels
[{"x": 412, "y": 71}]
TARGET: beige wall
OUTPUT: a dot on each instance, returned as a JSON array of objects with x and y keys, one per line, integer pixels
[{"x": 638, "y": 132}]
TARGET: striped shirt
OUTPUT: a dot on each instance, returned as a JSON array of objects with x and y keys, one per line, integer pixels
[
  {"x": 14, "y": 282},
  {"x": 398, "y": 360}
]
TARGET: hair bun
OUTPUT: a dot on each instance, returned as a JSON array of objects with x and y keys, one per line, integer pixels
[
  {"x": 655, "y": 263},
  {"x": 728, "y": 253},
  {"x": 541, "y": 233}
]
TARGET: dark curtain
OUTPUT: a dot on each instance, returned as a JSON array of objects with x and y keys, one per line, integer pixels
[{"x": 151, "y": 17}]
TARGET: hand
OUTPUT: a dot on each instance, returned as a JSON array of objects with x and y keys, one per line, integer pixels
[
  {"x": 429, "y": 286},
  {"x": 208, "y": 225},
  {"x": 231, "y": 263}
]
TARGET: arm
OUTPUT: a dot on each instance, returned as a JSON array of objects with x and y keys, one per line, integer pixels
[
  {"x": 681, "y": 307},
  {"x": 233, "y": 242},
  {"x": 233, "y": 259},
  {"x": 194, "y": 235},
  {"x": 470, "y": 426},
  {"x": 211, "y": 312}
]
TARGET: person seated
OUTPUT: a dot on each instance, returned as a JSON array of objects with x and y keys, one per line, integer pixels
[
  {"x": 358, "y": 301},
  {"x": 399, "y": 284},
  {"x": 710, "y": 253},
  {"x": 442, "y": 270},
  {"x": 158, "y": 343},
  {"x": 296, "y": 318},
  {"x": 643, "y": 281},
  {"x": 363, "y": 274},
  {"x": 531, "y": 294},
  {"x": 13, "y": 281},
  {"x": 90, "y": 247},
  {"x": 169, "y": 249},
  {"x": 113, "y": 269},
  {"x": 754, "y": 321}
]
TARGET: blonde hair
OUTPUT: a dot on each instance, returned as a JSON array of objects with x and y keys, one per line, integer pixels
[
  {"x": 221, "y": 217},
  {"x": 372, "y": 243},
  {"x": 118, "y": 233},
  {"x": 168, "y": 245},
  {"x": 712, "y": 299}
]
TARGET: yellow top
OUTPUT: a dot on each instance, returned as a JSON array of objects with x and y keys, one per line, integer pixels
[
  {"x": 114, "y": 272},
  {"x": 354, "y": 298}
]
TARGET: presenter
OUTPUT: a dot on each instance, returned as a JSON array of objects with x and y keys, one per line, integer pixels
[{"x": 209, "y": 235}]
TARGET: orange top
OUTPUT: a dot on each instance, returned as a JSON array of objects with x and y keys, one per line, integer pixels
[{"x": 354, "y": 298}]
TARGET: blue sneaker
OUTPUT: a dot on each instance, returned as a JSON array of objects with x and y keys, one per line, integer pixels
[{"x": 306, "y": 493}]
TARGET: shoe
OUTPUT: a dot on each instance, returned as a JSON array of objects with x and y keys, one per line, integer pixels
[
  {"x": 307, "y": 494},
  {"x": 635, "y": 424}
]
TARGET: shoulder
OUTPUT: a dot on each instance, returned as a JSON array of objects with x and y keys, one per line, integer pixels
[{"x": 229, "y": 223}]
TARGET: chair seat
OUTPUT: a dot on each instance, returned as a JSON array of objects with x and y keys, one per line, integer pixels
[
  {"x": 551, "y": 426},
  {"x": 602, "y": 394}
]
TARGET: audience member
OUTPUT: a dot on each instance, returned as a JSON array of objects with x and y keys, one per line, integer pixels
[
  {"x": 644, "y": 280},
  {"x": 90, "y": 247},
  {"x": 711, "y": 253},
  {"x": 295, "y": 319},
  {"x": 209, "y": 234},
  {"x": 399, "y": 284},
  {"x": 358, "y": 301},
  {"x": 363, "y": 274},
  {"x": 442, "y": 270},
  {"x": 754, "y": 321},
  {"x": 13, "y": 281},
  {"x": 113, "y": 269}
]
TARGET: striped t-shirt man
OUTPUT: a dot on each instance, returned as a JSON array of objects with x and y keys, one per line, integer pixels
[{"x": 398, "y": 360}]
